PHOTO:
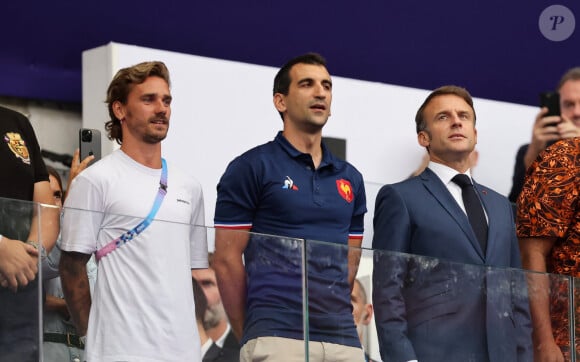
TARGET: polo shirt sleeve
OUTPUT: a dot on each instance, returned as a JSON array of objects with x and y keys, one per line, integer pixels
[
  {"x": 238, "y": 193},
  {"x": 356, "y": 229}
]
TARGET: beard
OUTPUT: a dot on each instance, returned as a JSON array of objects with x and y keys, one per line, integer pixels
[
  {"x": 213, "y": 316},
  {"x": 154, "y": 136}
]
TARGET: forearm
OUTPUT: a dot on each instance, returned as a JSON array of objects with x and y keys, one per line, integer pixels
[
  {"x": 55, "y": 304},
  {"x": 231, "y": 275},
  {"x": 354, "y": 254},
  {"x": 232, "y": 285},
  {"x": 75, "y": 285},
  {"x": 539, "y": 292},
  {"x": 534, "y": 255},
  {"x": 45, "y": 224}
]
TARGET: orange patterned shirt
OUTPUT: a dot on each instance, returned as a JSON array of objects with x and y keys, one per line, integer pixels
[{"x": 549, "y": 206}]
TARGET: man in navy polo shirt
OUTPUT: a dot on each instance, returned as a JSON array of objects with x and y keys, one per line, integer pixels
[{"x": 287, "y": 189}]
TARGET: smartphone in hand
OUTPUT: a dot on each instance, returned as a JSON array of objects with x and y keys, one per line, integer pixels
[
  {"x": 550, "y": 100},
  {"x": 90, "y": 144}
]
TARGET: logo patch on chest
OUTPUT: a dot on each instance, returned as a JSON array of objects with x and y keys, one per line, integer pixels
[
  {"x": 289, "y": 184},
  {"x": 345, "y": 190},
  {"x": 18, "y": 147}
]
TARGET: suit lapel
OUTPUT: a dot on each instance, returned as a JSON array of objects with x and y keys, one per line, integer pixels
[{"x": 440, "y": 192}]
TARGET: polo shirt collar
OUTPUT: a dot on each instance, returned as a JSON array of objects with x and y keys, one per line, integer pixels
[{"x": 328, "y": 158}]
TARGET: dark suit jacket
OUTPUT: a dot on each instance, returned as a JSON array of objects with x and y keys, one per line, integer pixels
[
  {"x": 450, "y": 308},
  {"x": 231, "y": 341},
  {"x": 225, "y": 354},
  {"x": 519, "y": 174}
]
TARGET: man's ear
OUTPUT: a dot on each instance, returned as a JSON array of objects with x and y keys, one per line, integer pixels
[
  {"x": 280, "y": 102},
  {"x": 423, "y": 138},
  {"x": 367, "y": 314},
  {"x": 118, "y": 110}
]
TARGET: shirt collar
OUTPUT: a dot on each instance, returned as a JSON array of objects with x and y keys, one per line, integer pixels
[
  {"x": 445, "y": 173},
  {"x": 328, "y": 158}
]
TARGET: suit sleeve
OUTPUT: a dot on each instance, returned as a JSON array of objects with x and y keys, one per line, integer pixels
[{"x": 392, "y": 232}]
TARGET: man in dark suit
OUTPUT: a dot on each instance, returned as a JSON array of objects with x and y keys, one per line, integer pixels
[{"x": 444, "y": 305}]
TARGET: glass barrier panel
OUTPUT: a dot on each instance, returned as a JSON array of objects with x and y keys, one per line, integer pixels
[
  {"x": 139, "y": 291},
  {"x": 402, "y": 305},
  {"x": 261, "y": 285},
  {"x": 21, "y": 227},
  {"x": 436, "y": 310}
]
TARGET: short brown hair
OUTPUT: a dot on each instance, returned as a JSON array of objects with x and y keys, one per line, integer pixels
[
  {"x": 420, "y": 122},
  {"x": 121, "y": 86},
  {"x": 571, "y": 74}
]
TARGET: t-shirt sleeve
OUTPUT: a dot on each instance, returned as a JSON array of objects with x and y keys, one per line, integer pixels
[
  {"x": 547, "y": 202},
  {"x": 198, "y": 236},
  {"x": 80, "y": 227},
  {"x": 238, "y": 192}
]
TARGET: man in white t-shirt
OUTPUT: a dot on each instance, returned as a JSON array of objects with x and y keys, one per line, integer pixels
[{"x": 145, "y": 221}]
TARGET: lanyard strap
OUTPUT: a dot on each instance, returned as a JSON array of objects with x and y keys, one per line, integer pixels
[{"x": 129, "y": 235}]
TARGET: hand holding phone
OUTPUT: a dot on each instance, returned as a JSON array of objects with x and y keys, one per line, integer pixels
[
  {"x": 90, "y": 144},
  {"x": 550, "y": 100}
]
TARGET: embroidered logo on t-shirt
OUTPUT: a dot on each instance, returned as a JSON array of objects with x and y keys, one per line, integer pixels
[
  {"x": 17, "y": 145},
  {"x": 345, "y": 190},
  {"x": 289, "y": 184}
]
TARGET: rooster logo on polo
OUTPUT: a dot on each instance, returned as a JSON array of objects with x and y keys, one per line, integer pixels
[
  {"x": 17, "y": 145},
  {"x": 345, "y": 190},
  {"x": 289, "y": 184}
]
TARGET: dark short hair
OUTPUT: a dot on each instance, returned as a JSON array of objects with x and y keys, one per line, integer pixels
[
  {"x": 54, "y": 173},
  {"x": 420, "y": 122},
  {"x": 121, "y": 86},
  {"x": 571, "y": 74},
  {"x": 282, "y": 79}
]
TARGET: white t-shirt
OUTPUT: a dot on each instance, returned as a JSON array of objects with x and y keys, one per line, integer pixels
[{"x": 143, "y": 308}]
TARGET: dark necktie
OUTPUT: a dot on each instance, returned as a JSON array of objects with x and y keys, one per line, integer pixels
[{"x": 473, "y": 208}]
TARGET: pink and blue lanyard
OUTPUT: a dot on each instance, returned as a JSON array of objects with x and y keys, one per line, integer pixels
[{"x": 130, "y": 235}]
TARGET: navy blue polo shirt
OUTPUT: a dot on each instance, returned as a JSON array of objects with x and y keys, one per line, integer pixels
[{"x": 274, "y": 191}]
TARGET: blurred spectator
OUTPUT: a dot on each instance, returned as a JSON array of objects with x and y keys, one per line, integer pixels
[
  {"x": 548, "y": 129},
  {"x": 24, "y": 177},
  {"x": 61, "y": 339},
  {"x": 210, "y": 351},
  {"x": 362, "y": 312},
  {"x": 215, "y": 319}
]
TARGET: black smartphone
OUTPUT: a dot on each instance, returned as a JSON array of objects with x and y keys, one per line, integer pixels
[
  {"x": 90, "y": 144},
  {"x": 550, "y": 100}
]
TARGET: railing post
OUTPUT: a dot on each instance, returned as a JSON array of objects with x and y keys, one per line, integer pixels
[{"x": 305, "y": 316}]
